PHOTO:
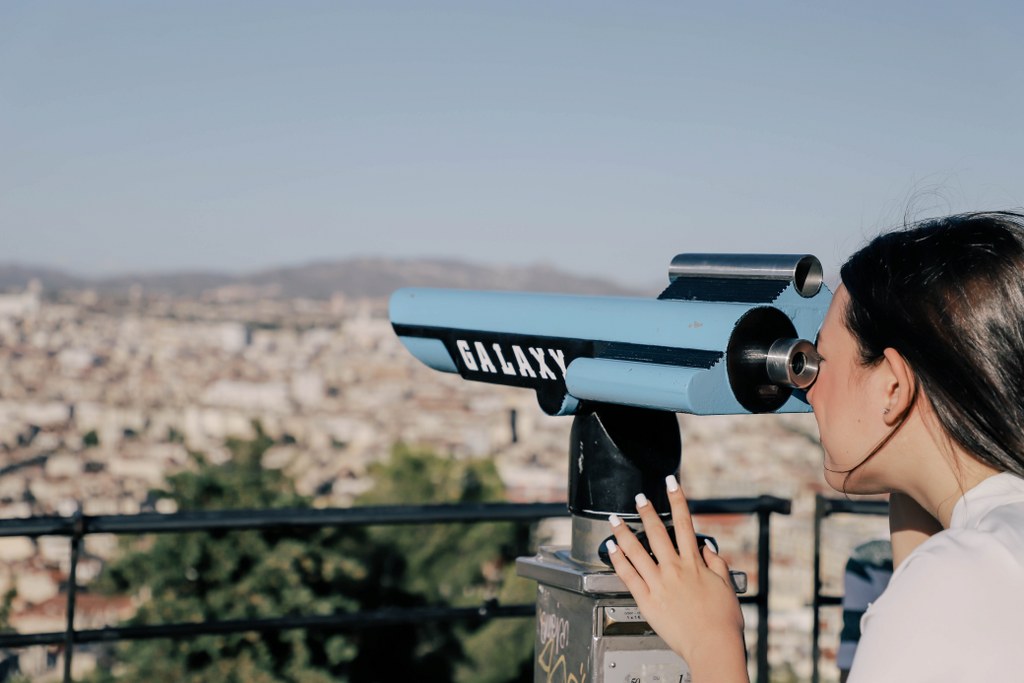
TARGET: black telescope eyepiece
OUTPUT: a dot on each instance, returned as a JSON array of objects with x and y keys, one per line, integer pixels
[{"x": 767, "y": 362}]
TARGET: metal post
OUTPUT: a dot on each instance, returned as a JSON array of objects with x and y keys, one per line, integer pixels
[
  {"x": 69, "y": 633},
  {"x": 819, "y": 513},
  {"x": 763, "y": 562},
  {"x": 826, "y": 507}
]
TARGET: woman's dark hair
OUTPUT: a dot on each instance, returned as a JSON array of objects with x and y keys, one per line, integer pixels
[{"x": 948, "y": 295}]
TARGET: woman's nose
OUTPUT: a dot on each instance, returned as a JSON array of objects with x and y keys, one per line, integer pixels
[{"x": 809, "y": 392}]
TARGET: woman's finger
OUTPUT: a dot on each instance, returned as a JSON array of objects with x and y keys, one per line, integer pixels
[
  {"x": 686, "y": 537},
  {"x": 716, "y": 564},
  {"x": 632, "y": 548},
  {"x": 635, "y": 583},
  {"x": 657, "y": 534}
]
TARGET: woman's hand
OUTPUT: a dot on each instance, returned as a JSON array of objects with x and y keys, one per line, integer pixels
[{"x": 687, "y": 596}]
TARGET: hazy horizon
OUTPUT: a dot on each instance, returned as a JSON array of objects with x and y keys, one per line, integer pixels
[{"x": 307, "y": 263}]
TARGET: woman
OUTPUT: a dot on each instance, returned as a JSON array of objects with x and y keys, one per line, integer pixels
[{"x": 920, "y": 394}]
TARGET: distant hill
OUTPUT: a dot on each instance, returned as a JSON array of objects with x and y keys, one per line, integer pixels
[
  {"x": 359, "y": 278},
  {"x": 16, "y": 276}
]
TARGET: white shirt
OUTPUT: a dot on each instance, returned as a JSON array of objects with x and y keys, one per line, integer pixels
[{"x": 954, "y": 610}]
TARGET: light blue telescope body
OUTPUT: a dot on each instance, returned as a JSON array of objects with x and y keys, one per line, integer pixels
[{"x": 663, "y": 354}]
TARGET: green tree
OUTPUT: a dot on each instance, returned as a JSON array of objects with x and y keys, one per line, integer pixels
[
  {"x": 501, "y": 651},
  {"x": 460, "y": 564},
  {"x": 447, "y": 563},
  {"x": 266, "y": 573}
]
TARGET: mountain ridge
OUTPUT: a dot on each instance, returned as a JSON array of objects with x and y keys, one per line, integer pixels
[{"x": 361, "y": 277}]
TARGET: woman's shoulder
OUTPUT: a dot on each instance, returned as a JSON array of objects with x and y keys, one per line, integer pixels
[
  {"x": 987, "y": 556},
  {"x": 1000, "y": 493},
  {"x": 958, "y": 591},
  {"x": 988, "y": 522}
]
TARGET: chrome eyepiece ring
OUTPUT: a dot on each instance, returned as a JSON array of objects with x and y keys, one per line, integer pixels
[{"x": 793, "y": 363}]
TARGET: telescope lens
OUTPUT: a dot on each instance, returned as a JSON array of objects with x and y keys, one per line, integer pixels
[{"x": 799, "y": 361}]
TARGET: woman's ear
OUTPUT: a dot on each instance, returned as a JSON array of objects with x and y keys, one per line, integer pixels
[{"x": 898, "y": 386}]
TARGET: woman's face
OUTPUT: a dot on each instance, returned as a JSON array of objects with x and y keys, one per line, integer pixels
[{"x": 844, "y": 399}]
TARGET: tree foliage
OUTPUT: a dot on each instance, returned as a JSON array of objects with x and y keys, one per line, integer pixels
[
  {"x": 461, "y": 565},
  {"x": 272, "y": 573}
]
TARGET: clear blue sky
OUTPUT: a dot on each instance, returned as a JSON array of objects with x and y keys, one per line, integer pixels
[{"x": 595, "y": 136}]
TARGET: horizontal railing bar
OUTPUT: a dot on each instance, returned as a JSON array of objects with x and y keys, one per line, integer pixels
[
  {"x": 741, "y": 506},
  {"x": 353, "y": 621},
  {"x": 231, "y": 520},
  {"x": 832, "y": 506},
  {"x": 356, "y": 620}
]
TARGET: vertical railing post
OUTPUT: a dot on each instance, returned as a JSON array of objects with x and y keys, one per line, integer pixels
[
  {"x": 763, "y": 562},
  {"x": 77, "y": 532},
  {"x": 819, "y": 513}
]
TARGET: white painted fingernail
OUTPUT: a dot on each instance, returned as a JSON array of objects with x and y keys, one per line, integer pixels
[
  {"x": 711, "y": 545},
  {"x": 671, "y": 484},
  {"x": 614, "y": 519},
  {"x": 641, "y": 500},
  {"x": 610, "y": 545}
]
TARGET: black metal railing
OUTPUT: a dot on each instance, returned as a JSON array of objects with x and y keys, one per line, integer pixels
[
  {"x": 826, "y": 507},
  {"x": 77, "y": 527}
]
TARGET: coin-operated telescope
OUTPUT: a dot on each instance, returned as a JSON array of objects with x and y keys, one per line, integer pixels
[{"x": 729, "y": 335}]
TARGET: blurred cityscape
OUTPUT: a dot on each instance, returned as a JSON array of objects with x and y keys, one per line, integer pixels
[{"x": 104, "y": 391}]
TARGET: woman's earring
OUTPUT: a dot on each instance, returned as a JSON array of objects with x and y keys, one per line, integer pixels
[{"x": 885, "y": 411}]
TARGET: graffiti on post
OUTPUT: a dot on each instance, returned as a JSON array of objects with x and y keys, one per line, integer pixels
[{"x": 553, "y": 632}]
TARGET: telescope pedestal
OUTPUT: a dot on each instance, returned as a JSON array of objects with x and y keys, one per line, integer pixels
[{"x": 589, "y": 629}]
